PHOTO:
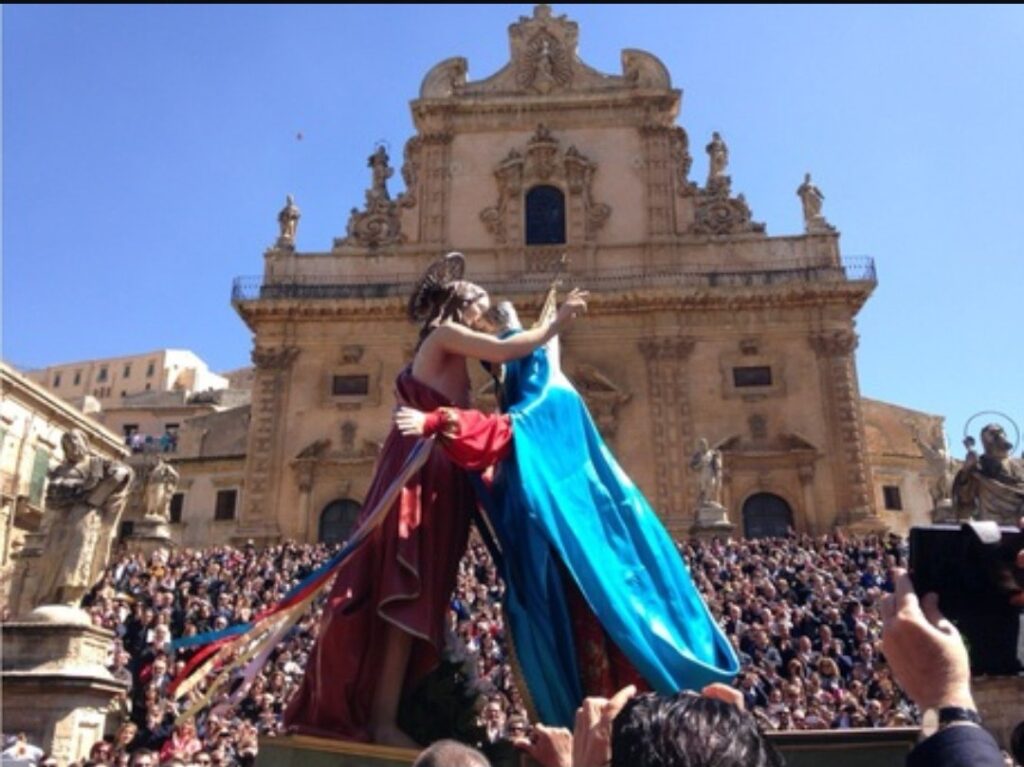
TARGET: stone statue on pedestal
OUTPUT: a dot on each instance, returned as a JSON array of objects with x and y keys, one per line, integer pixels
[
  {"x": 84, "y": 500},
  {"x": 160, "y": 486},
  {"x": 811, "y": 199},
  {"x": 288, "y": 220},
  {"x": 990, "y": 486},
  {"x": 710, "y": 515}
]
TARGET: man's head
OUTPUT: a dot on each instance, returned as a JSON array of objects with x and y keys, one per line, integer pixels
[
  {"x": 687, "y": 730},
  {"x": 993, "y": 439},
  {"x": 450, "y": 753}
]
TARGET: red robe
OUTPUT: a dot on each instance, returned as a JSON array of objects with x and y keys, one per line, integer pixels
[{"x": 402, "y": 575}]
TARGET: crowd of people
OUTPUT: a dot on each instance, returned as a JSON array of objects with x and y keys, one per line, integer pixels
[{"x": 802, "y": 613}]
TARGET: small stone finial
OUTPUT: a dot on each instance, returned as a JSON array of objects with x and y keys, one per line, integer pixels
[
  {"x": 542, "y": 11},
  {"x": 811, "y": 199},
  {"x": 288, "y": 221}
]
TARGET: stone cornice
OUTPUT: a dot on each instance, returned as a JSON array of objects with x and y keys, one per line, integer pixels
[{"x": 851, "y": 294}]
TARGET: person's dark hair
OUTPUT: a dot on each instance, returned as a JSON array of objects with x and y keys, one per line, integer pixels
[
  {"x": 687, "y": 730},
  {"x": 450, "y": 753},
  {"x": 1017, "y": 743}
]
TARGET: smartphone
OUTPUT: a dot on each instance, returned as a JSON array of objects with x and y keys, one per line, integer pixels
[{"x": 972, "y": 567}]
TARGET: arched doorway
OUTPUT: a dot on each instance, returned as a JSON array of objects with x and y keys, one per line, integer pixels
[
  {"x": 766, "y": 516},
  {"x": 337, "y": 520}
]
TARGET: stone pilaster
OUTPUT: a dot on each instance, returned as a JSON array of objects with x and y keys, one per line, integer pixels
[
  {"x": 434, "y": 194},
  {"x": 658, "y": 180},
  {"x": 841, "y": 398},
  {"x": 671, "y": 427},
  {"x": 258, "y": 518}
]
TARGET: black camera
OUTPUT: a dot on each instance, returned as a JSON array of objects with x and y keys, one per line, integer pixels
[{"x": 972, "y": 569}]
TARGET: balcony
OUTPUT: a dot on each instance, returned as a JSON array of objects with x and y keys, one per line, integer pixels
[{"x": 314, "y": 287}]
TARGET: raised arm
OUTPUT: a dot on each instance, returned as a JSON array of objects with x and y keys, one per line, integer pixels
[{"x": 458, "y": 339}]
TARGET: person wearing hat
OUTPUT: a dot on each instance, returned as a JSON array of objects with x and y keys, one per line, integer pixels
[{"x": 383, "y": 628}]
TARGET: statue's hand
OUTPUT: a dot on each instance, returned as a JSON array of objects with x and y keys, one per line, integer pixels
[{"x": 410, "y": 422}]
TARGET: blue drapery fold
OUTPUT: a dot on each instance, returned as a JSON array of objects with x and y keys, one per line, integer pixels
[{"x": 562, "y": 500}]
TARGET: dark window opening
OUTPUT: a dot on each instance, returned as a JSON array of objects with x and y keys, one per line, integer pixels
[
  {"x": 345, "y": 386},
  {"x": 545, "y": 216},
  {"x": 56, "y": 381},
  {"x": 102, "y": 375},
  {"x": 177, "y": 504},
  {"x": 150, "y": 369},
  {"x": 78, "y": 377},
  {"x": 893, "y": 502},
  {"x": 127, "y": 371},
  {"x": 226, "y": 500},
  {"x": 752, "y": 376}
]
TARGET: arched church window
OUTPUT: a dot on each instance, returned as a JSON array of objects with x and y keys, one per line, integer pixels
[
  {"x": 545, "y": 216},
  {"x": 338, "y": 520}
]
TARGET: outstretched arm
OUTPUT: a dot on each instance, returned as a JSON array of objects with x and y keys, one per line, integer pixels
[
  {"x": 457, "y": 339},
  {"x": 471, "y": 439}
]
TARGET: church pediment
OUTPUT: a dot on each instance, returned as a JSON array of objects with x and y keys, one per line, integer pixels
[{"x": 544, "y": 60}]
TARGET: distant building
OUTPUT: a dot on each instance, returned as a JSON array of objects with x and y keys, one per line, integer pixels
[{"x": 114, "y": 378}]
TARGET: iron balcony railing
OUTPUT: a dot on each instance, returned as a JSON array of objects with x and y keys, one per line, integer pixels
[{"x": 856, "y": 269}]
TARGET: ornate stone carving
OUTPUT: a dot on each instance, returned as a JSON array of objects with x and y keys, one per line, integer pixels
[
  {"x": 834, "y": 343},
  {"x": 84, "y": 500},
  {"x": 444, "y": 80},
  {"x": 644, "y": 70},
  {"x": 380, "y": 222},
  {"x": 758, "y": 426},
  {"x": 288, "y": 221},
  {"x": 682, "y": 161},
  {"x": 717, "y": 212},
  {"x": 352, "y": 353},
  {"x": 544, "y": 61},
  {"x": 542, "y": 162},
  {"x": 811, "y": 199},
  {"x": 603, "y": 398},
  {"x": 274, "y": 358},
  {"x": 544, "y": 64}
]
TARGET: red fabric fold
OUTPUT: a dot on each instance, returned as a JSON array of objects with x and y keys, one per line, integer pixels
[{"x": 402, "y": 575}]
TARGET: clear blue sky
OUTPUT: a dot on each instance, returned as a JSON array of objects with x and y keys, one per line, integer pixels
[{"x": 147, "y": 150}]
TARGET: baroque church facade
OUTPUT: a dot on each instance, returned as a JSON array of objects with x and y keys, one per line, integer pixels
[{"x": 701, "y": 325}]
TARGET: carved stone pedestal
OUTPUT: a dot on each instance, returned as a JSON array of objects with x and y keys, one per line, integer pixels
[
  {"x": 56, "y": 687},
  {"x": 711, "y": 519},
  {"x": 150, "y": 534},
  {"x": 944, "y": 513}
]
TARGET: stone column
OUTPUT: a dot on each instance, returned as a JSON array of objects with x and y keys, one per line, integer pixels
[
  {"x": 258, "y": 519},
  {"x": 671, "y": 428},
  {"x": 841, "y": 397},
  {"x": 56, "y": 687}
]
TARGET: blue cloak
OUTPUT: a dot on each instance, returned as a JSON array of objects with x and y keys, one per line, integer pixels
[{"x": 561, "y": 501}]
